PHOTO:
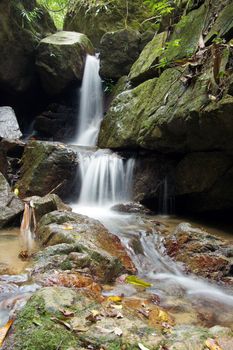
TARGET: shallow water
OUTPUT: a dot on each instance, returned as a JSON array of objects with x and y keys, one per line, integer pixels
[{"x": 189, "y": 299}]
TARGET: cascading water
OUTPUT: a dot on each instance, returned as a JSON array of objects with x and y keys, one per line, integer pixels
[
  {"x": 106, "y": 179},
  {"x": 91, "y": 104}
]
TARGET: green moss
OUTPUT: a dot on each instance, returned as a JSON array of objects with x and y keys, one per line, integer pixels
[
  {"x": 66, "y": 265},
  {"x": 35, "y": 330}
]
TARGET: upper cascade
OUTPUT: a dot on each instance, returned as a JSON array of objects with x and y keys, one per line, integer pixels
[{"x": 91, "y": 104}]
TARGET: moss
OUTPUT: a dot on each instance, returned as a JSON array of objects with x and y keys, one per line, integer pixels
[
  {"x": 66, "y": 265},
  {"x": 35, "y": 330}
]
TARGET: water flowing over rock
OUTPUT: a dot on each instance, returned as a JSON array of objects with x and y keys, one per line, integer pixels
[
  {"x": 19, "y": 38},
  {"x": 60, "y": 60},
  {"x": 9, "y": 127},
  {"x": 106, "y": 179},
  {"x": 91, "y": 104},
  {"x": 10, "y": 205},
  {"x": 45, "y": 167},
  {"x": 96, "y": 19}
]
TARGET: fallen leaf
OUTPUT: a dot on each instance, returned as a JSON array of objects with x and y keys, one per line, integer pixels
[
  {"x": 94, "y": 316},
  {"x": 4, "y": 330},
  {"x": 137, "y": 281},
  {"x": 68, "y": 227},
  {"x": 115, "y": 299},
  {"x": 116, "y": 306},
  {"x": 212, "y": 344},
  {"x": 57, "y": 320},
  {"x": 77, "y": 326},
  {"x": 142, "y": 347}
]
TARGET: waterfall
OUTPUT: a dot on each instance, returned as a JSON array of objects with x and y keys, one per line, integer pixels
[
  {"x": 106, "y": 178},
  {"x": 91, "y": 104}
]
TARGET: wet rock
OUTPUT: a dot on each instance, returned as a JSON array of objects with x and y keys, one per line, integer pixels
[
  {"x": 9, "y": 127},
  {"x": 61, "y": 59},
  {"x": 118, "y": 51},
  {"x": 3, "y": 162},
  {"x": 19, "y": 38},
  {"x": 202, "y": 253},
  {"x": 47, "y": 204},
  {"x": 87, "y": 236},
  {"x": 96, "y": 19},
  {"x": 144, "y": 68},
  {"x": 10, "y": 205},
  {"x": 131, "y": 208},
  {"x": 47, "y": 166}
]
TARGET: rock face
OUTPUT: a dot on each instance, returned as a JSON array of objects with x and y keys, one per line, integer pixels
[
  {"x": 9, "y": 127},
  {"x": 118, "y": 51},
  {"x": 45, "y": 166},
  {"x": 18, "y": 41},
  {"x": 145, "y": 66},
  {"x": 10, "y": 205},
  {"x": 96, "y": 19},
  {"x": 177, "y": 112},
  {"x": 60, "y": 60}
]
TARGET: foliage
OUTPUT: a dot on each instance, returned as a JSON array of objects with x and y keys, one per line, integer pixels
[
  {"x": 31, "y": 16},
  {"x": 161, "y": 7},
  {"x": 57, "y": 9}
]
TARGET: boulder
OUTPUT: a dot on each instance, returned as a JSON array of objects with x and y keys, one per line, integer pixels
[
  {"x": 83, "y": 235},
  {"x": 95, "y": 19},
  {"x": 145, "y": 67},
  {"x": 118, "y": 51},
  {"x": 47, "y": 166},
  {"x": 60, "y": 60},
  {"x": 18, "y": 40},
  {"x": 180, "y": 111},
  {"x": 10, "y": 205},
  {"x": 203, "y": 254},
  {"x": 9, "y": 127},
  {"x": 12, "y": 147}
]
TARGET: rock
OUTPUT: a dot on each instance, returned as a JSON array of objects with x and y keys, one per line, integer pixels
[
  {"x": 118, "y": 51},
  {"x": 57, "y": 122},
  {"x": 223, "y": 26},
  {"x": 211, "y": 166},
  {"x": 47, "y": 204},
  {"x": 60, "y": 60},
  {"x": 144, "y": 68},
  {"x": 3, "y": 162},
  {"x": 10, "y": 205},
  {"x": 13, "y": 148},
  {"x": 172, "y": 113},
  {"x": 82, "y": 235},
  {"x": 184, "y": 42},
  {"x": 46, "y": 165},
  {"x": 202, "y": 253},
  {"x": 95, "y": 19},
  {"x": 18, "y": 41},
  {"x": 9, "y": 127},
  {"x": 133, "y": 207}
]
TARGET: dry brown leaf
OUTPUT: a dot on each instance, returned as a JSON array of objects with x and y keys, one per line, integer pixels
[{"x": 212, "y": 344}]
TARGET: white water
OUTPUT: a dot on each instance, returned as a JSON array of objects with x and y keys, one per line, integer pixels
[
  {"x": 91, "y": 104},
  {"x": 105, "y": 177}
]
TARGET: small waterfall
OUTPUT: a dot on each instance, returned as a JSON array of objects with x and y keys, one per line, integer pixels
[
  {"x": 106, "y": 178},
  {"x": 91, "y": 104}
]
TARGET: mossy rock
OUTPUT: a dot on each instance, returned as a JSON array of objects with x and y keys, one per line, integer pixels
[
  {"x": 61, "y": 59},
  {"x": 95, "y": 19},
  {"x": 46, "y": 165}
]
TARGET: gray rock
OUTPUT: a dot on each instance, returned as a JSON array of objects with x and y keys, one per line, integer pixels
[
  {"x": 118, "y": 51},
  {"x": 10, "y": 205},
  {"x": 9, "y": 127},
  {"x": 61, "y": 59}
]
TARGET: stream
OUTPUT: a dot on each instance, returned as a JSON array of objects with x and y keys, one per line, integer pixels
[{"x": 106, "y": 180}]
